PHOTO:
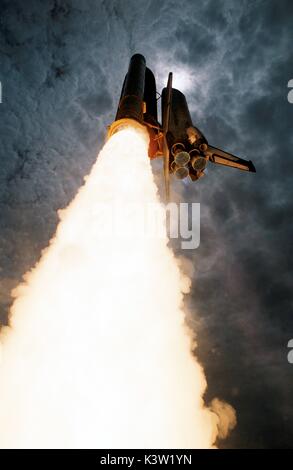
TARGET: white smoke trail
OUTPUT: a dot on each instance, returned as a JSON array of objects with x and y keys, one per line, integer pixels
[{"x": 97, "y": 354}]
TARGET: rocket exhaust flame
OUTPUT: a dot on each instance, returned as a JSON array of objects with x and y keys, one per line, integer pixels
[{"x": 97, "y": 354}]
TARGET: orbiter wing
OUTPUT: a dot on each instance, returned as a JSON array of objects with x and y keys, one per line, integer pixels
[{"x": 227, "y": 159}]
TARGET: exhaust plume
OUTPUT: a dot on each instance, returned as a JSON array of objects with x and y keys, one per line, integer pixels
[{"x": 96, "y": 354}]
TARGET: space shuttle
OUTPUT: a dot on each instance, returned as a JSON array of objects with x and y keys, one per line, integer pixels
[{"x": 183, "y": 147}]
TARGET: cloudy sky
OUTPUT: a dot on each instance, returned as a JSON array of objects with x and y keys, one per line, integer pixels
[{"x": 61, "y": 67}]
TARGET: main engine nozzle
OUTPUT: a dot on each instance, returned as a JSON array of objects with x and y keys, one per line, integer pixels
[
  {"x": 180, "y": 172},
  {"x": 181, "y": 157},
  {"x": 198, "y": 162}
]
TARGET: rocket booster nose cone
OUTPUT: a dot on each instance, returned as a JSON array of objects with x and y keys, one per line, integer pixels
[{"x": 138, "y": 57}]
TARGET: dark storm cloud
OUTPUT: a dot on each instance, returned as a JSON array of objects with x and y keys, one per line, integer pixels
[{"x": 62, "y": 64}]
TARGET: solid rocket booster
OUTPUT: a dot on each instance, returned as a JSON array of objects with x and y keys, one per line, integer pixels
[
  {"x": 138, "y": 103},
  {"x": 138, "y": 100},
  {"x": 131, "y": 104}
]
